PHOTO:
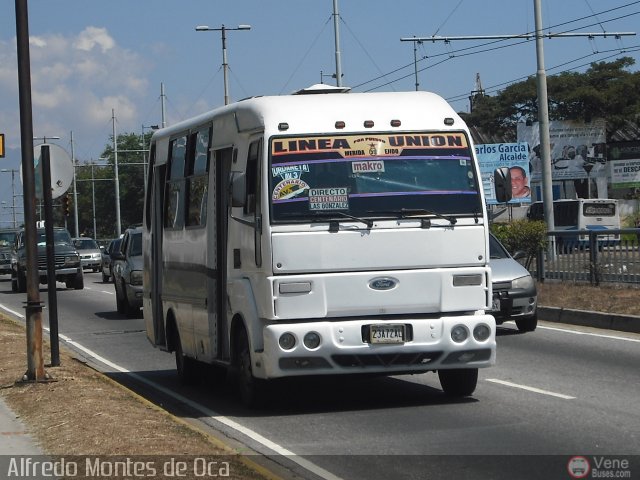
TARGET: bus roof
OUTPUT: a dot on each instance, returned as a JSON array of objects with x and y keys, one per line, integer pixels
[{"x": 318, "y": 113}]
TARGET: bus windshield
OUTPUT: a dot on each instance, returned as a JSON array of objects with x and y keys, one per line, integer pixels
[{"x": 372, "y": 175}]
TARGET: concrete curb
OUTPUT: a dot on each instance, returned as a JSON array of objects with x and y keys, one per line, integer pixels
[{"x": 610, "y": 321}]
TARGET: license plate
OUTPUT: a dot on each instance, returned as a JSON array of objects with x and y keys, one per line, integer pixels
[
  {"x": 495, "y": 306},
  {"x": 387, "y": 333}
]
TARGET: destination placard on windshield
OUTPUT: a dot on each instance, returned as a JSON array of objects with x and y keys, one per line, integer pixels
[{"x": 376, "y": 145}]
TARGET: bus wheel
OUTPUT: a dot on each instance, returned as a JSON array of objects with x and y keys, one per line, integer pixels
[
  {"x": 187, "y": 367},
  {"x": 249, "y": 387},
  {"x": 458, "y": 383}
]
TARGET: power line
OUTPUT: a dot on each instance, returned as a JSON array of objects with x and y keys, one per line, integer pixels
[{"x": 474, "y": 49}]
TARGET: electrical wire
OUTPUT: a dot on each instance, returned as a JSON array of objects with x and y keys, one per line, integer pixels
[{"x": 456, "y": 53}]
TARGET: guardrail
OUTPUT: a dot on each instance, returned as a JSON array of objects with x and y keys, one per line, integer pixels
[{"x": 607, "y": 256}]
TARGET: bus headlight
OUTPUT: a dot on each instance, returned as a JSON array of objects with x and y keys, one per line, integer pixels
[
  {"x": 459, "y": 333},
  {"x": 287, "y": 341},
  {"x": 311, "y": 340},
  {"x": 481, "y": 332}
]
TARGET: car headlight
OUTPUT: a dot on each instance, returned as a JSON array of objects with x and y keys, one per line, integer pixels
[
  {"x": 71, "y": 259},
  {"x": 136, "y": 277},
  {"x": 524, "y": 283}
]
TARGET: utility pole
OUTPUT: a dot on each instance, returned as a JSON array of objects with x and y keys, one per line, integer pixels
[
  {"x": 115, "y": 169},
  {"x": 336, "y": 32},
  {"x": 543, "y": 106},
  {"x": 225, "y": 66},
  {"x": 415, "y": 62},
  {"x": 543, "y": 124},
  {"x": 33, "y": 318},
  {"x": 75, "y": 189},
  {"x": 162, "y": 98}
]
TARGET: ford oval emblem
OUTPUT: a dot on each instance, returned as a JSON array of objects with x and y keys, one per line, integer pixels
[{"x": 383, "y": 283}]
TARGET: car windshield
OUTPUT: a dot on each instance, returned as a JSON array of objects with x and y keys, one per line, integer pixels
[
  {"x": 7, "y": 238},
  {"x": 375, "y": 175},
  {"x": 136, "y": 244},
  {"x": 85, "y": 244},
  {"x": 496, "y": 250},
  {"x": 60, "y": 237}
]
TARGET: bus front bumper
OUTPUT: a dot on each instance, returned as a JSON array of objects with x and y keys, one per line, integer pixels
[{"x": 346, "y": 346}]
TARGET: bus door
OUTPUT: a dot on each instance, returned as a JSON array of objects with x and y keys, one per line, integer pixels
[
  {"x": 157, "y": 202},
  {"x": 218, "y": 235}
]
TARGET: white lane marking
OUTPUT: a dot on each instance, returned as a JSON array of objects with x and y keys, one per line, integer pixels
[
  {"x": 600, "y": 335},
  {"x": 530, "y": 389},
  {"x": 319, "y": 471},
  {"x": 12, "y": 312}
]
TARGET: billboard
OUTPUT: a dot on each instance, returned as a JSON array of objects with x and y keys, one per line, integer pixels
[
  {"x": 513, "y": 155},
  {"x": 624, "y": 158},
  {"x": 573, "y": 145}
]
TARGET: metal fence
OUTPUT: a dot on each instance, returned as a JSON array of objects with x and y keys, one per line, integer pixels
[{"x": 593, "y": 256}]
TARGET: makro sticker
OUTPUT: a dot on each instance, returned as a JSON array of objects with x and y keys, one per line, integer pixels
[
  {"x": 290, "y": 171},
  {"x": 332, "y": 198},
  {"x": 291, "y": 187},
  {"x": 367, "y": 166}
]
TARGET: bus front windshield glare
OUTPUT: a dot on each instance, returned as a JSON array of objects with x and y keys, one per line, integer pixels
[{"x": 372, "y": 175}]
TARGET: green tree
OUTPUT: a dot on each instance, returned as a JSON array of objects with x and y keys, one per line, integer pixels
[
  {"x": 132, "y": 158},
  {"x": 522, "y": 235},
  {"x": 606, "y": 90}
]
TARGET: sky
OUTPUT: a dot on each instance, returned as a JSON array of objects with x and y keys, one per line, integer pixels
[{"x": 90, "y": 58}]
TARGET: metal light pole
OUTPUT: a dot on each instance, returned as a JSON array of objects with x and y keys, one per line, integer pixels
[
  {"x": 144, "y": 146},
  {"x": 225, "y": 65},
  {"x": 13, "y": 192},
  {"x": 336, "y": 34},
  {"x": 75, "y": 189},
  {"x": 33, "y": 312},
  {"x": 115, "y": 168}
]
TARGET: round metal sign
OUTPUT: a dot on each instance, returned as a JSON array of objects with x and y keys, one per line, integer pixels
[{"x": 61, "y": 170}]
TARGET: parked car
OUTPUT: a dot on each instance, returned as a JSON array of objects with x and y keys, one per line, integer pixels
[
  {"x": 90, "y": 253},
  {"x": 68, "y": 268},
  {"x": 7, "y": 239},
  {"x": 113, "y": 246},
  {"x": 126, "y": 268},
  {"x": 514, "y": 290}
]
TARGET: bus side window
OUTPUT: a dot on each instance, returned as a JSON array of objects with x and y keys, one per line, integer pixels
[
  {"x": 252, "y": 177},
  {"x": 197, "y": 180},
  {"x": 147, "y": 203},
  {"x": 174, "y": 206}
]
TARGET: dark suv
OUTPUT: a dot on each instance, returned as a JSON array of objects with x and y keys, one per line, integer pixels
[
  {"x": 67, "y": 260},
  {"x": 7, "y": 240}
]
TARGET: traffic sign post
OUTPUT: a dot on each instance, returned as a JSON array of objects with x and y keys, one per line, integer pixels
[{"x": 51, "y": 268}]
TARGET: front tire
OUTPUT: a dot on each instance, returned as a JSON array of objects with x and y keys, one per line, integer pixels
[
  {"x": 120, "y": 306},
  {"x": 250, "y": 388},
  {"x": 78, "y": 281},
  {"x": 458, "y": 383},
  {"x": 186, "y": 367},
  {"x": 21, "y": 282},
  {"x": 527, "y": 324}
]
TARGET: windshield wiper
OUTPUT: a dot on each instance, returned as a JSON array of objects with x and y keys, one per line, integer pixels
[
  {"x": 410, "y": 212},
  {"x": 366, "y": 221}
]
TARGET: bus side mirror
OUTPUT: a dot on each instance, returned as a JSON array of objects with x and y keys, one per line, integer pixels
[
  {"x": 502, "y": 184},
  {"x": 238, "y": 189}
]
